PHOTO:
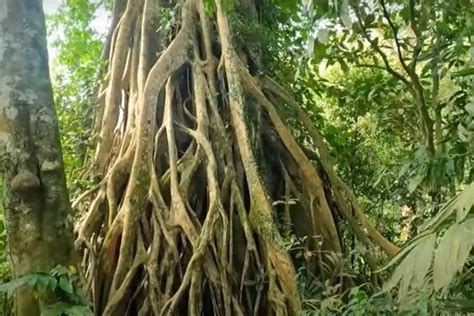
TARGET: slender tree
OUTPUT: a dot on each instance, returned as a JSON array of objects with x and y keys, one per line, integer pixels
[
  {"x": 36, "y": 201},
  {"x": 197, "y": 172}
]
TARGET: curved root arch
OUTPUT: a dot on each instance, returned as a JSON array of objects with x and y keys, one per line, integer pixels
[{"x": 198, "y": 174}]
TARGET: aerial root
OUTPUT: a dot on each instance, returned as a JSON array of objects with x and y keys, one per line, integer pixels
[
  {"x": 345, "y": 197},
  {"x": 183, "y": 212}
]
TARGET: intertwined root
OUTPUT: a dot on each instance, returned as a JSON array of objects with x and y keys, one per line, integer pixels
[{"x": 193, "y": 156}]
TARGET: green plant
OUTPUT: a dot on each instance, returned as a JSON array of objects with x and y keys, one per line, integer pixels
[
  {"x": 355, "y": 301},
  {"x": 59, "y": 287},
  {"x": 5, "y": 303},
  {"x": 4, "y": 263}
]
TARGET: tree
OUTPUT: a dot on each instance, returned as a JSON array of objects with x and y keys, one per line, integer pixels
[
  {"x": 200, "y": 180},
  {"x": 36, "y": 202},
  {"x": 425, "y": 47}
]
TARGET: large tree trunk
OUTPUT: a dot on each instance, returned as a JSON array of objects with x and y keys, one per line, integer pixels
[
  {"x": 194, "y": 162},
  {"x": 36, "y": 202}
]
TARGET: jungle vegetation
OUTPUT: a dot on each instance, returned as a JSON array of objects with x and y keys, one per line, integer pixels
[{"x": 237, "y": 157}]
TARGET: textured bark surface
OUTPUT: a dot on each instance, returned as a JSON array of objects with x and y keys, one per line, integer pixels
[
  {"x": 198, "y": 173},
  {"x": 36, "y": 201}
]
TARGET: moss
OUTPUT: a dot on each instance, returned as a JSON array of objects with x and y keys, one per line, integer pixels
[{"x": 263, "y": 223}]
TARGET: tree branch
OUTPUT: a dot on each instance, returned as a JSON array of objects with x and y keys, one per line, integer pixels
[
  {"x": 419, "y": 40},
  {"x": 379, "y": 51},
  {"x": 392, "y": 25},
  {"x": 346, "y": 200},
  {"x": 413, "y": 84}
]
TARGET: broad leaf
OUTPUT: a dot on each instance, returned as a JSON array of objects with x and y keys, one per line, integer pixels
[
  {"x": 415, "y": 183},
  {"x": 470, "y": 108},
  {"x": 39, "y": 281},
  {"x": 66, "y": 285},
  {"x": 464, "y": 203},
  {"x": 423, "y": 260},
  {"x": 461, "y": 204},
  {"x": 452, "y": 252},
  {"x": 414, "y": 267},
  {"x": 464, "y": 72},
  {"x": 404, "y": 251}
]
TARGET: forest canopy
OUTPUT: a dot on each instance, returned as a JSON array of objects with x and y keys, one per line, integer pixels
[{"x": 237, "y": 157}]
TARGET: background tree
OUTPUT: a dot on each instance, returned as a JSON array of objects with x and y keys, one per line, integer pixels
[
  {"x": 76, "y": 74},
  {"x": 425, "y": 48},
  {"x": 35, "y": 198}
]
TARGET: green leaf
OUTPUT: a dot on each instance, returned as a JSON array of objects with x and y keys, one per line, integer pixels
[
  {"x": 412, "y": 270},
  {"x": 38, "y": 281},
  {"x": 323, "y": 36},
  {"x": 460, "y": 205},
  {"x": 59, "y": 271},
  {"x": 452, "y": 253},
  {"x": 403, "y": 252},
  {"x": 369, "y": 19},
  {"x": 9, "y": 287},
  {"x": 345, "y": 16},
  {"x": 344, "y": 66},
  {"x": 470, "y": 108},
  {"x": 43, "y": 282},
  {"x": 464, "y": 203},
  {"x": 209, "y": 7},
  {"x": 319, "y": 51},
  {"x": 463, "y": 133},
  {"x": 66, "y": 285},
  {"x": 415, "y": 183},
  {"x": 310, "y": 46},
  {"x": 464, "y": 72},
  {"x": 56, "y": 309},
  {"x": 457, "y": 306},
  {"x": 423, "y": 260}
]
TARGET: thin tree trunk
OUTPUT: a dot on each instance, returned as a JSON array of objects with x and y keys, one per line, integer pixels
[{"x": 36, "y": 201}]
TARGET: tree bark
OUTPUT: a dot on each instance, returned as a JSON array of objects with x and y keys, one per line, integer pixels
[{"x": 36, "y": 202}]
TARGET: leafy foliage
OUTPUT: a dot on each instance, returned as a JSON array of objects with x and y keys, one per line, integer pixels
[
  {"x": 61, "y": 282},
  {"x": 4, "y": 264},
  {"x": 76, "y": 72},
  {"x": 5, "y": 272},
  {"x": 357, "y": 68},
  {"x": 422, "y": 47}
]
